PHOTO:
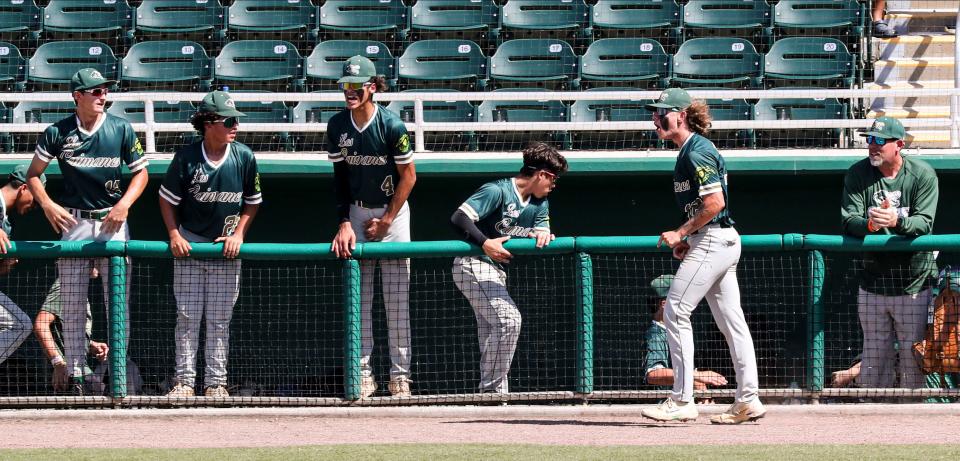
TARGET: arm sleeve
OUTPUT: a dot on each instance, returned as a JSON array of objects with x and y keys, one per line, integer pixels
[
  {"x": 341, "y": 184},
  {"x": 542, "y": 222},
  {"x": 133, "y": 150},
  {"x": 171, "y": 189},
  {"x": 251, "y": 183},
  {"x": 401, "y": 151},
  {"x": 483, "y": 202},
  {"x": 467, "y": 227},
  {"x": 924, "y": 210},
  {"x": 705, "y": 168},
  {"x": 47, "y": 146},
  {"x": 853, "y": 208}
]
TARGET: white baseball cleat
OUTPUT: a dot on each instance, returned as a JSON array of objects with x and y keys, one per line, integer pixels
[
  {"x": 216, "y": 391},
  {"x": 399, "y": 386},
  {"x": 181, "y": 391},
  {"x": 740, "y": 412},
  {"x": 669, "y": 410},
  {"x": 368, "y": 385}
]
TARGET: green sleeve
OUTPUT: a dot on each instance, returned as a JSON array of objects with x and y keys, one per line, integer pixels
[
  {"x": 483, "y": 202},
  {"x": 922, "y": 213},
  {"x": 704, "y": 166},
  {"x": 543, "y": 217},
  {"x": 133, "y": 150},
  {"x": 400, "y": 140},
  {"x": 853, "y": 209},
  {"x": 171, "y": 188},
  {"x": 48, "y": 147},
  {"x": 251, "y": 183},
  {"x": 658, "y": 353}
]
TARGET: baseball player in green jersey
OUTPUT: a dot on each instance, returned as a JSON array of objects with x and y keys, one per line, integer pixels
[
  {"x": 211, "y": 193},
  {"x": 374, "y": 174},
  {"x": 709, "y": 248},
  {"x": 887, "y": 193},
  {"x": 498, "y": 211},
  {"x": 91, "y": 147},
  {"x": 15, "y": 197}
]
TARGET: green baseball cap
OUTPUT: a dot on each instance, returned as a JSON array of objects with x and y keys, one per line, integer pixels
[
  {"x": 88, "y": 78},
  {"x": 661, "y": 285},
  {"x": 886, "y": 128},
  {"x": 358, "y": 69},
  {"x": 19, "y": 173},
  {"x": 220, "y": 103},
  {"x": 675, "y": 99}
]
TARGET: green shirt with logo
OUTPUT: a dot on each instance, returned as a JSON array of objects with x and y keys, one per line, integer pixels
[
  {"x": 700, "y": 171},
  {"x": 499, "y": 211},
  {"x": 913, "y": 193},
  {"x": 371, "y": 153},
  {"x": 91, "y": 162},
  {"x": 210, "y": 196}
]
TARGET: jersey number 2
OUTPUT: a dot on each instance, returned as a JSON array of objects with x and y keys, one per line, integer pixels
[
  {"x": 230, "y": 225},
  {"x": 387, "y": 186}
]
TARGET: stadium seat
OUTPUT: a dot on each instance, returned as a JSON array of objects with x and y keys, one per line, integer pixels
[
  {"x": 828, "y": 18},
  {"x": 802, "y": 109},
  {"x": 37, "y": 112},
  {"x": 166, "y": 66},
  {"x": 13, "y": 68},
  {"x": 621, "y": 61},
  {"x": 809, "y": 62},
  {"x": 383, "y": 20},
  {"x": 738, "y": 18},
  {"x": 6, "y": 141},
  {"x": 110, "y": 22},
  {"x": 637, "y": 18},
  {"x": 717, "y": 61},
  {"x": 271, "y": 19},
  {"x": 20, "y": 23},
  {"x": 555, "y": 19},
  {"x": 443, "y": 64},
  {"x": 600, "y": 111},
  {"x": 325, "y": 64},
  {"x": 550, "y": 63},
  {"x": 730, "y": 110},
  {"x": 203, "y": 22},
  {"x": 260, "y": 64},
  {"x": 473, "y": 20},
  {"x": 54, "y": 63},
  {"x": 265, "y": 112},
  {"x": 441, "y": 112},
  {"x": 521, "y": 111},
  {"x": 163, "y": 112},
  {"x": 314, "y": 112}
]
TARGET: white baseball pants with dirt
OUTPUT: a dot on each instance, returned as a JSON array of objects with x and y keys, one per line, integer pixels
[
  {"x": 74, "y": 276},
  {"x": 206, "y": 288},
  {"x": 886, "y": 320},
  {"x": 395, "y": 278},
  {"x": 15, "y": 326},
  {"x": 709, "y": 271},
  {"x": 498, "y": 319}
]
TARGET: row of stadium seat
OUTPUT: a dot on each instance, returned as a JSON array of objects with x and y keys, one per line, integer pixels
[
  {"x": 466, "y": 112},
  {"x": 439, "y": 64}
]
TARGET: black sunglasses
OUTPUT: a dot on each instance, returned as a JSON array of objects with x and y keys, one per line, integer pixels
[
  {"x": 97, "y": 91},
  {"x": 228, "y": 122}
]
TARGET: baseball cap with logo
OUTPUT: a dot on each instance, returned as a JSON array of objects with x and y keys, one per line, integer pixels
[
  {"x": 220, "y": 103},
  {"x": 886, "y": 128},
  {"x": 88, "y": 78},
  {"x": 19, "y": 173},
  {"x": 675, "y": 99},
  {"x": 358, "y": 69},
  {"x": 661, "y": 285}
]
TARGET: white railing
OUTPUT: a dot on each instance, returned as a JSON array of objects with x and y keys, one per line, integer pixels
[{"x": 955, "y": 100}]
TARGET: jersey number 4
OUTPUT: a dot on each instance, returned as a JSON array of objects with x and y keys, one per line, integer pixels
[{"x": 387, "y": 186}]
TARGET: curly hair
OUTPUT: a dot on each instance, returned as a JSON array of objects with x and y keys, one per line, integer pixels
[
  {"x": 200, "y": 120},
  {"x": 698, "y": 117},
  {"x": 381, "y": 83},
  {"x": 542, "y": 156}
]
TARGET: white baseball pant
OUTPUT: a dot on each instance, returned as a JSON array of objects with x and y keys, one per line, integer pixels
[
  {"x": 709, "y": 270},
  {"x": 395, "y": 278},
  {"x": 885, "y": 320},
  {"x": 15, "y": 326},
  {"x": 498, "y": 319},
  {"x": 204, "y": 288},
  {"x": 74, "y": 285}
]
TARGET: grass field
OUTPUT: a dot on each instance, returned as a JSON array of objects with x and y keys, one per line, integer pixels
[{"x": 510, "y": 452}]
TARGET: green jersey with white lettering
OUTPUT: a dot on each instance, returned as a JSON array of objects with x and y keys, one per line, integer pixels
[
  {"x": 700, "y": 171},
  {"x": 371, "y": 153},
  {"x": 499, "y": 211},
  {"x": 91, "y": 161},
  {"x": 210, "y": 196}
]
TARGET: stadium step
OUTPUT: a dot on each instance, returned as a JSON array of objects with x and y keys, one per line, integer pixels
[
  {"x": 908, "y": 102},
  {"x": 913, "y": 16},
  {"x": 928, "y": 138},
  {"x": 912, "y": 112},
  {"x": 913, "y": 69},
  {"x": 914, "y": 46}
]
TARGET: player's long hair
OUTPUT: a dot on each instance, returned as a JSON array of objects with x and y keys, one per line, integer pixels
[
  {"x": 200, "y": 119},
  {"x": 381, "y": 83},
  {"x": 698, "y": 117}
]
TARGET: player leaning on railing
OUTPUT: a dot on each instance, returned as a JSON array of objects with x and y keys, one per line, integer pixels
[
  {"x": 91, "y": 147},
  {"x": 498, "y": 211},
  {"x": 709, "y": 247},
  {"x": 374, "y": 174},
  {"x": 211, "y": 193}
]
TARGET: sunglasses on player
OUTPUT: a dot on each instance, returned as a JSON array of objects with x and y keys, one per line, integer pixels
[
  {"x": 228, "y": 122},
  {"x": 553, "y": 177},
  {"x": 353, "y": 86},
  {"x": 663, "y": 111},
  {"x": 877, "y": 140},
  {"x": 96, "y": 92}
]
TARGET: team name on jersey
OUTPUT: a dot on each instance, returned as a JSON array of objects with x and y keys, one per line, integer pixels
[
  {"x": 681, "y": 186},
  {"x": 94, "y": 162},
  {"x": 344, "y": 142},
  {"x": 505, "y": 227},
  {"x": 366, "y": 159},
  {"x": 217, "y": 197}
]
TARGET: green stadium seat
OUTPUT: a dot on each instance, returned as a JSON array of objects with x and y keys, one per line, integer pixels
[
  {"x": 473, "y": 20},
  {"x": 625, "y": 61},
  {"x": 37, "y": 112},
  {"x": 556, "y": 19},
  {"x": 325, "y": 64},
  {"x": 54, "y": 63},
  {"x": 441, "y": 112},
  {"x": 521, "y": 111},
  {"x": 550, "y": 63},
  {"x": 270, "y": 19},
  {"x": 6, "y": 141},
  {"x": 199, "y": 21},
  {"x": 13, "y": 68},
  {"x": 802, "y": 109},
  {"x": 265, "y": 112},
  {"x": 810, "y": 62},
  {"x": 259, "y": 65},
  {"x": 163, "y": 112},
  {"x": 731, "y": 110},
  {"x": 636, "y": 18},
  {"x": 443, "y": 64},
  {"x": 110, "y": 22},
  {"x": 166, "y": 66},
  {"x": 600, "y": 111},
  {"x": 20, "y": 23},
  {"x": 738, "y": 18},
  {"x": 717, "y": 61},
  {"x": 829, "y": 18},
  {"x": 383, "y": 20}
]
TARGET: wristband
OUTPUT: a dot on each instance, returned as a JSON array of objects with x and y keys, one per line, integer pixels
[{"x": 58, "y": 361}]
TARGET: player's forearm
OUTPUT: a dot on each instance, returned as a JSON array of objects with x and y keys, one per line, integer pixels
[
  {"x": 135, "y": 189},
  {"x": 712, "y": 206},
  {"x": 660, "y": 377},
  {"x": 246, "y": 219},
  {"x": 169, "y": 215},
  {"x": 41, "y": 328},
  {"x": 408, "y": 177}
]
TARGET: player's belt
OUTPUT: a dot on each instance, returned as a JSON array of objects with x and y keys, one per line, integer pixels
[
  {"x": 96, "y": 215},
  {"x": 368, "y": 205},
  {"x": 712, "y": 226}
]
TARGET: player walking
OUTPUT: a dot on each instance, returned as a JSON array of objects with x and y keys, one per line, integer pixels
[
  {"x": 91, "y": 147},
  {"x": 709, "y": 247},
  {"x": 211, "y": 193},
  {"x": 374, "y": 174},
  {"x": 499, "y": 210}
]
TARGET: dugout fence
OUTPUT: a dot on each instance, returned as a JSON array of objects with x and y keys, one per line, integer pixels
[{"x": 585, "y": 304}]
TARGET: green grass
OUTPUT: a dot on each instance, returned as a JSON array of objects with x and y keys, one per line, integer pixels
[{"x": 508, "y": 452}]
